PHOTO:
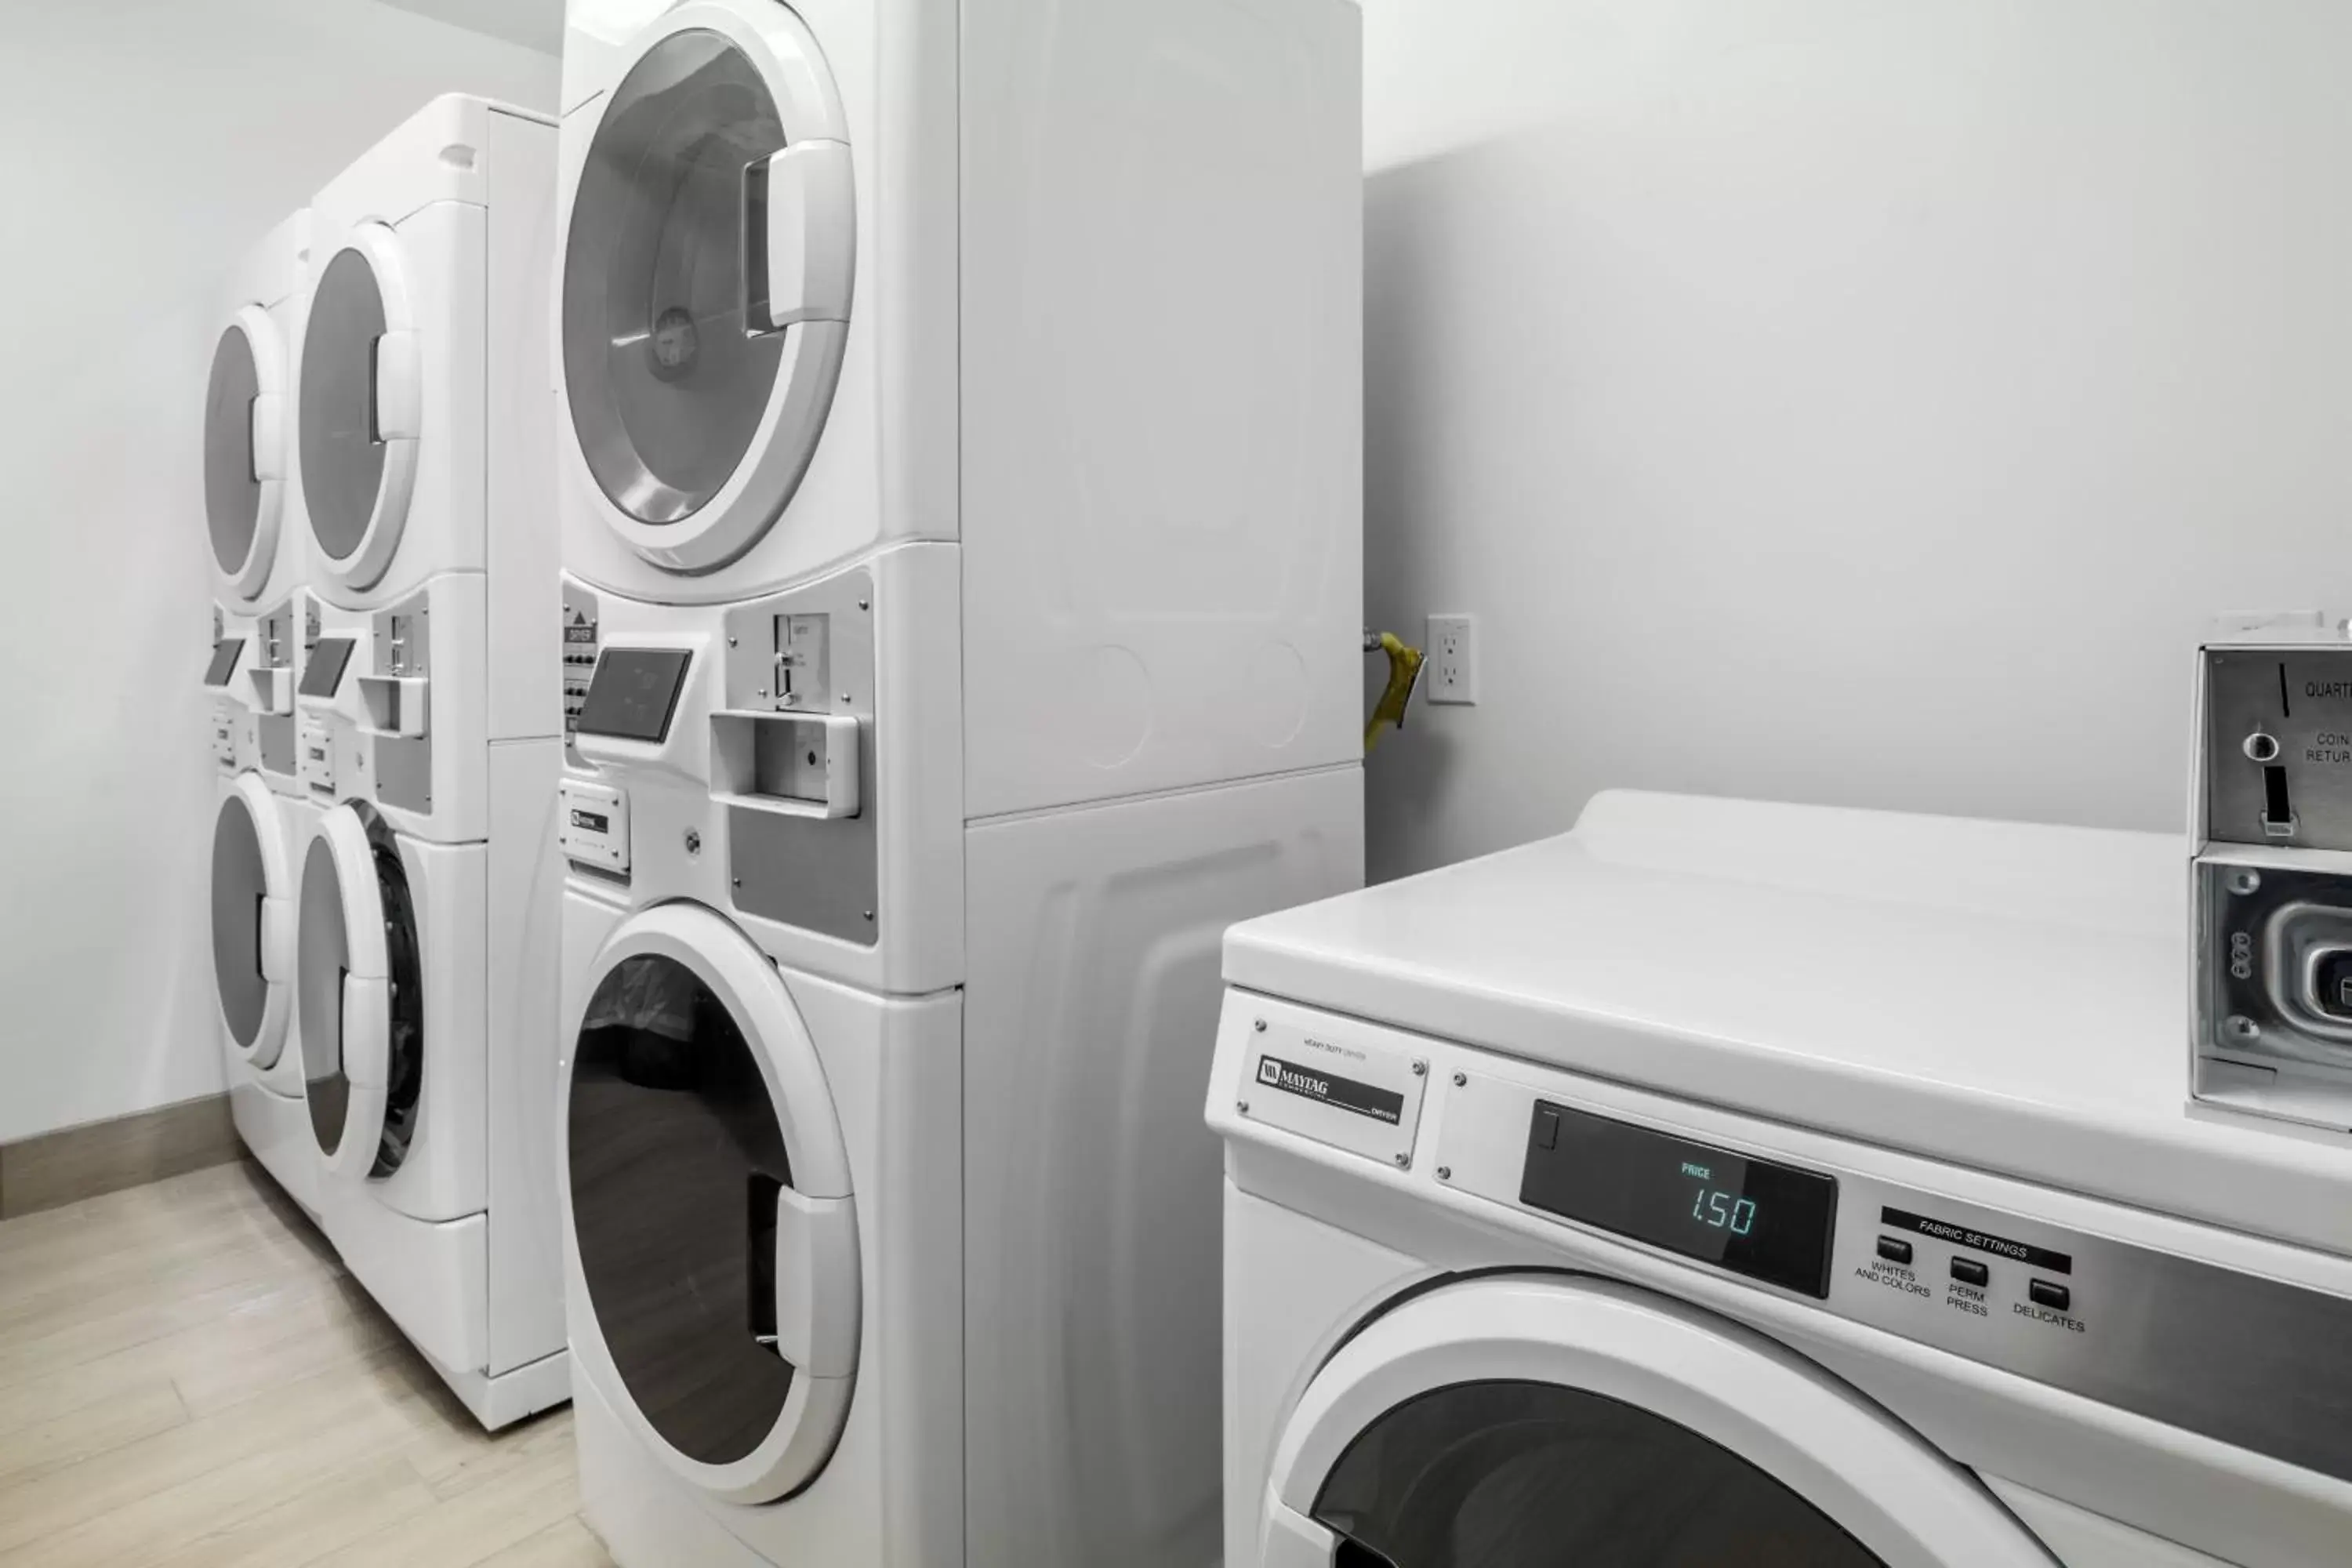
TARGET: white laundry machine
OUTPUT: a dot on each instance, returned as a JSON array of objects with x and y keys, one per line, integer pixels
[
  {"x": 248, "y": 415},
  {"x": 1728, "y": 1183},
  {"x": 259, "y": 835},
  {"x": 958, "y": 457},
  {"x": 253, "y": 513},
  {"x": 429, "y": 916}
]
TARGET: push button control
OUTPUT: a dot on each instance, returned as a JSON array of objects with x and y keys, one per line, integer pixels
[
  {"x": 1894, "y": 1250},
  {"x": 1969, "y": 1271},
  {"x": 2054, "y": 1297}
]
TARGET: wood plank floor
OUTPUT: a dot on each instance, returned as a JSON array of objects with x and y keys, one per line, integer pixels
[{"x": 188, "y": 1376}]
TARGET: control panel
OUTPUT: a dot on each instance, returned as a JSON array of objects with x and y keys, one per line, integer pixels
[
  {"x": 315, "y": 755},
  {"x": 1608, "y": 1179},
  {"x": 579, "y": 657},
  {"x": 323, "y": 670},
  {"x": 226, "y": 652},
  {"x": 592, "y": 824},
  {"x": 2102, "y": 1318},
  {"x": 790, "y": 737},
  {"x": 2278, "y": 745},
  {"x": 396, "y": 694},
  {"x": 227, "y": 717},
  {"x": 1754, "y": 1216},
  {"x": 275, "y": 641},
  {"x": 2270, "y": 938}
]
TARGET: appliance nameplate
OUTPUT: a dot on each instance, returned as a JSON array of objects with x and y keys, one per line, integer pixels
[{"x": 1354, "y": 1092}]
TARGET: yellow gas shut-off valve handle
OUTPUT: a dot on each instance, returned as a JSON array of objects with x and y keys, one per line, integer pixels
[{"x": 1404, "y": 673}]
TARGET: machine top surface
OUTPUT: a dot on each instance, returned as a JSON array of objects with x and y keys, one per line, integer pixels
[{"x": 2006, "y": 996}]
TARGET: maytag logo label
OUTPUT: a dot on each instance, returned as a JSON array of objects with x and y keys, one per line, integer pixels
[{"x": 1328, "y": 1088}]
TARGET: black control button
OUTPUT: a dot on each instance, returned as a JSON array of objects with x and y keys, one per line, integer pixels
[
  {"x": 1969, "y": 1271},
  {"x": 1547, "y": 1127},
  {"x": 1894, "y": 1250},
  {"x": 2054, "y": 1297}
]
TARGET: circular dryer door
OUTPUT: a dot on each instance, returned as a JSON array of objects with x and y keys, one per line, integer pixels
[
  {"x": 244, "y": 449},
  {"x": 1525, "y": 1422},
  {"x": 709, "y": 1198},
  {"x": 360, "y": 993},
  {"x": 253, "y": 928},
  {"x": 361, "y": 408},
  {"x": 706, "y": 280}
]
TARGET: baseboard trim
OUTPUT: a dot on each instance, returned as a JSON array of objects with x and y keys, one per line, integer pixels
[{"x": 52, "y": 1169}]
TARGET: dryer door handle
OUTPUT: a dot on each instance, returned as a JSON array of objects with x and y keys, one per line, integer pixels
[
  {"x": 800, "y": 236},
  {"x": 266, "y": 437},
  {"x": 367, "y": 1026},
  {"x": 395, "y": 384},
  {"x": 273, "y": 927},
  {"x": 812, "y": 1285}
]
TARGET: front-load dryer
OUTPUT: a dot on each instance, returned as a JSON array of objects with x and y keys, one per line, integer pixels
[
  {"x": 427, "y": 954},
  {"x": 1074, "y": 286},
  {"x": 764, "y": 1249},
  {"x": 254, "y": 524},
  {"x": 259, "y": 835},
  {"x": 253, "y": 501},
  {"x": 1728, "y": 1183},
  {"x": 779, "y": 1358},
  {"x": 959, "y": 462},
  {"x": 251, "y": 512}
]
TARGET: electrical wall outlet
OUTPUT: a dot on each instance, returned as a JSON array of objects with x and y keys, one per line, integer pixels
[{"x": 1452, "y": 672}]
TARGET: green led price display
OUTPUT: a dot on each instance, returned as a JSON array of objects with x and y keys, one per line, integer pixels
[{"x": 1758, "y": 1218}]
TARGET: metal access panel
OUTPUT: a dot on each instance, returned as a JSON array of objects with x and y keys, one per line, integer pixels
[
  {"x": 403, "y": 650},
  {"x": 2275, "y": 961},
  {"x": 808, "y": 651},
  {"x": 2278, "y": 746}
]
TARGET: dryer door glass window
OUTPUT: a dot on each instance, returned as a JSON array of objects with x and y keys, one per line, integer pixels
[
  {"x": 667, "y": 383},
  {"x": 343, "y": 453},
  {"x": 328, "y": 905},
  {"x": 325, "y": 949},
  {"x": 232, "y": 487},
  {"x": 404, "y": 1037},
  {"x": 676, "y": 1157},
  {"x": 1530, "y": 1475},
  {"x": 240, "y": 882}
]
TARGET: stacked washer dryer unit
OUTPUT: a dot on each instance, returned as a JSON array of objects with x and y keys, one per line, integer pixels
[
  {"x": 431, "y": 730},
  {"x": 1727, "y": 1182},
  {"x": 253, "y": 514},
  {"x": 960, "y": 463}
]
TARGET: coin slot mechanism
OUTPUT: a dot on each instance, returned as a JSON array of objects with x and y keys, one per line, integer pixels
[{"x": 2278, "y": 813}]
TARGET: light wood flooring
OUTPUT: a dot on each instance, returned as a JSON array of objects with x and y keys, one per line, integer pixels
[{"x": 188, "y": 1376}]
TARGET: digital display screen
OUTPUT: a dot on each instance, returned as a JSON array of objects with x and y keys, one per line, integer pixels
[
  {"x": 224, "y": 664},
  {"x": 634, "y": 692},
  {"x": 1768, "y": 1221},
  {"x": 324, "y": 672}
]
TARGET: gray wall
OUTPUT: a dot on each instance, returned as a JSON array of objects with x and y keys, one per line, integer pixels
[
  {"x": 149, "y": 143},
  {"x": 1846, "y": 403}
]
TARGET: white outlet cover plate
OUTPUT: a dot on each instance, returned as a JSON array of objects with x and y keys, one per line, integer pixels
[{"x": 1451, "y": 674}]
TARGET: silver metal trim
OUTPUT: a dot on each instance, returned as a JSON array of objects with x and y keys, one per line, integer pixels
[{"x": 2240, "y": 1358}]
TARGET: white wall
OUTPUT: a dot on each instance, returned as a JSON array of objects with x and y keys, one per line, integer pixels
[
  {"x": 1839, "y": 401},
  {"x": 146, "y": 143}
]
